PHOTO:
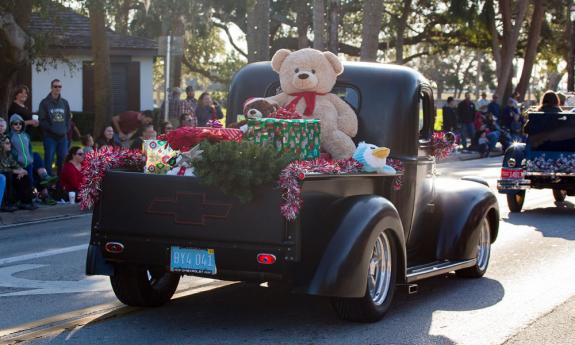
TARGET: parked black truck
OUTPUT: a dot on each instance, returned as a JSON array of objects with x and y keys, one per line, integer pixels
[{"x": 356, "y": 237}]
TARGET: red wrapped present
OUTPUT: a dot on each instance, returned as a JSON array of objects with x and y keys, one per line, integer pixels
[{"x": 184, "y": 138}]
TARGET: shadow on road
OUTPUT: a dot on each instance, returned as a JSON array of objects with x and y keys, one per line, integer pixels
[
  {"x": 545, "y": 220},
  {"x": 251, "y": 314}
]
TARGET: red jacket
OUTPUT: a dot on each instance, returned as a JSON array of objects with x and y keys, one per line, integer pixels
[{"x": 71, "y": 178}]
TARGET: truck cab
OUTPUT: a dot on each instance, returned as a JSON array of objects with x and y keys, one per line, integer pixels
[{"x": 357, "y": 236}]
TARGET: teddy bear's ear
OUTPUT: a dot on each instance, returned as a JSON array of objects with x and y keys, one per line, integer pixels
[
  {"x": 278, "y": 59},
  {"x": 334, "y": 61}
]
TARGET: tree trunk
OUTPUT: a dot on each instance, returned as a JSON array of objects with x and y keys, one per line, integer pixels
[
  {"x": 570, "y": 49},
  {"x": 319, "y": 24},
  {"x": 509, "y": 45},
  {"x": 333, "y": 26},
  {"x": 302, "y": 23},
  {"x": 258, "y": 31},
  {"x": 14, "y": 55},
  {"x": 531, "y": 49},
  {"x": 101, "y": 56},
  {"x": 371, "y": 26},
  {"x": 401, "y": 31}
]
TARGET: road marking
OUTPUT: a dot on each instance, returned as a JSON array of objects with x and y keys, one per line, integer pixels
[
  {"x": 50, "y": 252},
  {"x": 79, "y": 318},
  {"x": 40, "y": 287}
]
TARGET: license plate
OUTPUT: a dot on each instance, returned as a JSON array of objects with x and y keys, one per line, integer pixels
[
  {"x": 512, "y": 173},
  {"x": 191, "y": 260}
]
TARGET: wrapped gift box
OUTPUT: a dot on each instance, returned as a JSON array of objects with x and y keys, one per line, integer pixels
[
  {"x": 299, "y": 137},
  {"x": 185, "y": 138},
  {"x": 159, "y": 156}
]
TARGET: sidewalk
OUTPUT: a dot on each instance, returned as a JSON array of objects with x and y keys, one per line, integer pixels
[{"x": 43, "y": 213}]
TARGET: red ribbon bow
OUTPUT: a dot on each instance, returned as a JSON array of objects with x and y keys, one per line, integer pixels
[{"x": 309, "y": 98}]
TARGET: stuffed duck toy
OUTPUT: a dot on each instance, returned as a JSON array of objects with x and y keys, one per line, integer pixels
[{"x": 373, "y": 158}]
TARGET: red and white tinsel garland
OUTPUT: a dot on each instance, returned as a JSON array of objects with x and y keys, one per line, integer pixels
[
  {"x": 95, "y": 165},
  {"x": 441, "y": 146},
  {"x": 291, "y": 177}
]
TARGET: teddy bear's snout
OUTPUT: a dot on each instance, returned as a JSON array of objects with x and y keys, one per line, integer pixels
[{"x": 303, "y": 76}]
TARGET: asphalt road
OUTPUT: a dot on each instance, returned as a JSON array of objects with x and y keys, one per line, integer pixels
[{"x": 526, "y": 293}]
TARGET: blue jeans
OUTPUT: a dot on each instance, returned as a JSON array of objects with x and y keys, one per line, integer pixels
[
  {"x": 54, "y": 146},
  {"x": 2, "y": 187},
  {"x": 467, "y": 132},
  {"x": 33, "y": 169},
  {"x": 493, "y": 138}
]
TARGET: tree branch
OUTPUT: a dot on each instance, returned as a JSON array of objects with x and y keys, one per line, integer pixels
[
  {"x": 230, "y": 39},
  {"x": 208, "y": 74}
]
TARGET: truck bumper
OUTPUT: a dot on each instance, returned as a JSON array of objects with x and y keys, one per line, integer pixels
[{"x": 506, "y": 186}]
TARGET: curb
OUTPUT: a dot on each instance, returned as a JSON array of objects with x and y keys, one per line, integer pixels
[{"x": 41, "y": 215}]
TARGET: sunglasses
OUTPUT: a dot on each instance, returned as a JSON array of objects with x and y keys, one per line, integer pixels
[
  {"x": 57, "y": 86},
  {"x": 18, "y": 124},
  {"x": 79, "y": 153}
]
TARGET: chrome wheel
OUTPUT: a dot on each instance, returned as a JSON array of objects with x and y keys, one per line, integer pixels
[
  {"x": 484, "y": 246},
  {"x": 379, "y": 274}
]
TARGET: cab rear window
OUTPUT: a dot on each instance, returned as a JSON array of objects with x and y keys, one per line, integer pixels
[{"x": 348, "y": 93}]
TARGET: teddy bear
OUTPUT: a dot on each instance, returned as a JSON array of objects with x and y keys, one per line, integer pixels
[
  {"x": 255, "y": 108},
  {"x": 307, "y": 77}
]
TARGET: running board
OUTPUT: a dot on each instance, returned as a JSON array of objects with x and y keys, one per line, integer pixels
[{"x": 436, "y": 268}]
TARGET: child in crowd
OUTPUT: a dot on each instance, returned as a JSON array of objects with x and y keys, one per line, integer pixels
[
  {"x": 148, "y": 133},
  {"x": 483, "y": 143},
  {"x": 32, "y": 162},
  {"x": 87, "y": 143},
  {"x": 108, "y": 138},
  {"x": 18, "y": 188},
  {"x": 3, "y": 126}
]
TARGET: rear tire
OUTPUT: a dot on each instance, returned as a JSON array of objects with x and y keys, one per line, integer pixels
[
  {"x": 139, "y": 287},
  {"x": 380, "y": 287},
  {"x": 515, "y": 201},
  {"x": 483, "y": 253},
  {"x": 559, "y": 194}
]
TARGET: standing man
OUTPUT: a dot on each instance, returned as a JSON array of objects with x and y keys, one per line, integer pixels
[
  {"x": 175, "y": 109},
  {"x": 54, "y": 119},
  {"x": 449, "y": 116},
  {"x": 494, "y": 107},
  {"x": 189, "y": 106},
  {"x": 482, "y": 102},
  {"x": 466, "y": 115}
]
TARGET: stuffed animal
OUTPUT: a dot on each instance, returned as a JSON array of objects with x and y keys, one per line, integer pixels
[
  {"x": 373, "y": 158},
  {"x": 183, "y": 166},
  {"x": 255, "y": 108},
  {"x": 307, "y": 77}
]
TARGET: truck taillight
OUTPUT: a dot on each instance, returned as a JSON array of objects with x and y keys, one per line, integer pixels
[
  {"x": 266, "y": 259},
  {"x": 114, "y": 247}
]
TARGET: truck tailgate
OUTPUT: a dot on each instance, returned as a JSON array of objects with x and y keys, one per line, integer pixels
[{"x": 147, "y": 206}]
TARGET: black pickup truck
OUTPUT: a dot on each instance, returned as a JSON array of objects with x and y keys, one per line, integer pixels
[{"x": 355, "y": 239}]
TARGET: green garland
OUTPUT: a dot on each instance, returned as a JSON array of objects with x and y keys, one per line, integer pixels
[{"x": 237, "y": 169}]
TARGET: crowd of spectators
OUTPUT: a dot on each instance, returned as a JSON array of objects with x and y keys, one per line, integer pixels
[
  {"x": 480, "y": 125},
  {"x": 27, "y": 179}
]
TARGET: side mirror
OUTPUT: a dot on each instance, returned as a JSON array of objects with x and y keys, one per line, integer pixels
[{"x": 450, "y": 137}]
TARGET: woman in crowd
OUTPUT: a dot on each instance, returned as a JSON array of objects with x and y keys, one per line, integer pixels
[
  {"x": 108, "y": 138},
  {"x": 71, "y": 178},
  {"x": 167, "y": 127},
  {"x": 207, "y": 110},
  {"x": 18, "y": 188},
  {"x": 18, "y": 106},
  {"x": 549, "y": 103}
]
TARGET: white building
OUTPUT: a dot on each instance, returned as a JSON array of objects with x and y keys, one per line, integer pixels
[{"x": 69, "y": 59}]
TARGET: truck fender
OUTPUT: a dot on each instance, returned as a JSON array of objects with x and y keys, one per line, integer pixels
[
  {"x": 96, "y": 264},
  {"x": 515, "y": 151},
  {"x": 342, "y": 270},
  {"x": 459, "y": 208}
]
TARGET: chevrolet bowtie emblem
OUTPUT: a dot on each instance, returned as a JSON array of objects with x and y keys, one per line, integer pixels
[{"x": 189, "y": 208}]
